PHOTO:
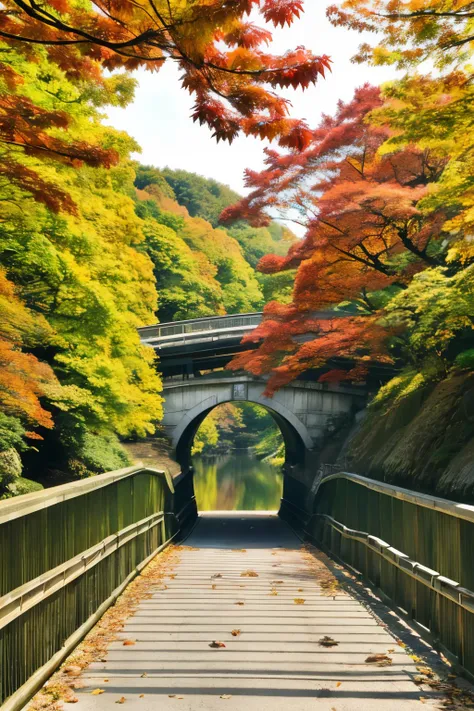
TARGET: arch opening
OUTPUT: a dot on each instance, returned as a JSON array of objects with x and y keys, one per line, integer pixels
[
  {"x": 237, "y": 452},
  {"x": 237, "y": 457},
  {"x": 292, "y": 434}
]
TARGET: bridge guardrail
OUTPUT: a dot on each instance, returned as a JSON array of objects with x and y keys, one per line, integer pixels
[
  {"x": 416, "y": 549},
  {"x": 66, "y": 554},
  {"x": 199, "y": 325}
]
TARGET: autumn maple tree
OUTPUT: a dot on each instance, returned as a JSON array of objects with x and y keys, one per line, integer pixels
[
  {"x": 371, "y": 225},
  {"x": 410, "y": 31},
  {"x": 23, "y": 378},
  {"x": 219, "y": 50}
]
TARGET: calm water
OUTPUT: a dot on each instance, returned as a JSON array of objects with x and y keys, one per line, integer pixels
[{"x": 237, "y": 481}]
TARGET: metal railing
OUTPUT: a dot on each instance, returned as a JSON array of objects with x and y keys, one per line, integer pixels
[
  {"x": 65, "y": 555},
  {"x": 415, "y": 548},
  {"x": 168, "y": 331}
]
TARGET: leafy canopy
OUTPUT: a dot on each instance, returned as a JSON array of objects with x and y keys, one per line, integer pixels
[
  {"x": 387, "y": 208},
  {"x": 220, "y": 52}
]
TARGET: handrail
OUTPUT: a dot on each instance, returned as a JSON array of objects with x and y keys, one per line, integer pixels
[
  {"x": 452, "y": 508},
  {"x": 428, "y": 577},
  {"x": 200, "y": 325},
  {"x": 107, "y": 527},
  {"x": 17, "y": 507},
  {"x": 18, "y": 601},
  {"x": 200, "y": 319},
  {"x": 196, "y": 336},
  {"x": 426, "y": 534}
]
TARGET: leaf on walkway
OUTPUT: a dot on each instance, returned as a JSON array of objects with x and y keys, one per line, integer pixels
[
  {"x": 216, "y": 644},
  {"x": 239, "y": 550},
  {"x": 277, "y": 582},
  {"x": 73, "y": 669},
  {"x": 299, "y": 601},
  {"x": 300, "y": 590},
  {"x": 213, "y": 587},
  {"x": 239, "y": 603},
  {"x": 381, "y": 660},
  {"x": 141, "y": 696},
  {"x": 327, "y": 641},
  {"x": 235, "y": 633},
  {"x": 338, "y": 684},
  {"x": 429, "y": 672},
  {"x": 225, "y": 696},
  {"x": 96, "y": 692},
  {"x": 122, "y": 700},
  {"x": 217, "y": 575},
  {"x": 143, "y": 675},
  {"x": 129, "y": 643},
  {"x": 249, "y": 574},
  {"x": 273, "y": 591},
  {"x": 72, "y": 700}
]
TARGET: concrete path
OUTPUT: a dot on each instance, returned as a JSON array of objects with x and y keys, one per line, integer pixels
[{"x": 276, "y": 661}]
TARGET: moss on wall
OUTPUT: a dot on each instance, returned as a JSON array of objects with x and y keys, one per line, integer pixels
[{"x": 419, "y": 435}]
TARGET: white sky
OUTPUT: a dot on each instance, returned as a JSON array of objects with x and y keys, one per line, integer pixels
[{"x": 159, "y": 118}]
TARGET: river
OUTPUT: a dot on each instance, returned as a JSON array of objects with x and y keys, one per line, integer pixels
[{"x": 234, "y": 482}]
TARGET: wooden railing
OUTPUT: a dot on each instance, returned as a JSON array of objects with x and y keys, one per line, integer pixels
[
  {"x": 66, "y": 554},
  {"x": 416, "y": 549}
]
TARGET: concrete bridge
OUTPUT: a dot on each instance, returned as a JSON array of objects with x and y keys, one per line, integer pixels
[
  {"x": 303, "y": 410},
  {"x": 193, "y": 355}
]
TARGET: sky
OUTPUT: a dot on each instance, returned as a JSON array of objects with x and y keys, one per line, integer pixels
[{"x": 159, "y": 118}]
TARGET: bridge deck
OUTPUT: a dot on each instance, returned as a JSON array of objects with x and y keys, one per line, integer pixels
[{"x": 276, "y": 661}]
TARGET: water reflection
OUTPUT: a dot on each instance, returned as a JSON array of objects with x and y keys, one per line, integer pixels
[{"x": 236, "y": 482}]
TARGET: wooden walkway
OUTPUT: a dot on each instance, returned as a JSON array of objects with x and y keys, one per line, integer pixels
[{"x": 279, "y": 616}]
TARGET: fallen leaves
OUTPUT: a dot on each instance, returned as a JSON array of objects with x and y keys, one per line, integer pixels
[
  {"x": 129, "y": 642},
  {"x": 225, "y": 696},
  {"x": 213, "y": 587},
  {"x": 273, "y": 591},
  {"x": 215, "y": 644},
  {"x": 239, "y": 603},
  {"x": 327, "y": 641},
  {"x": 122, "y": 700},
  {"x": 299, "y": 601},
  {"x": 249, "y": 574},
  {"x": 96, "y": 692},
  {"x": 380, "y": 660},
  {"x": 217, "y": 575},
  {"x": 338, "y": 684},
  {"x": 94, "y": 647},
  {"x": 235, "y": 633},
  {"x": 73, "y": 669}
]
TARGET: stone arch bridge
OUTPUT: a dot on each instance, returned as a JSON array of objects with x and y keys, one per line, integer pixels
[{"x": 193, "y": 356}]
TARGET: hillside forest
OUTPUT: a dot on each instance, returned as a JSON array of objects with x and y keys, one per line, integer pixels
[
  {"x": 139, "y": 245},
  {"x": 94, "y": 244}
]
